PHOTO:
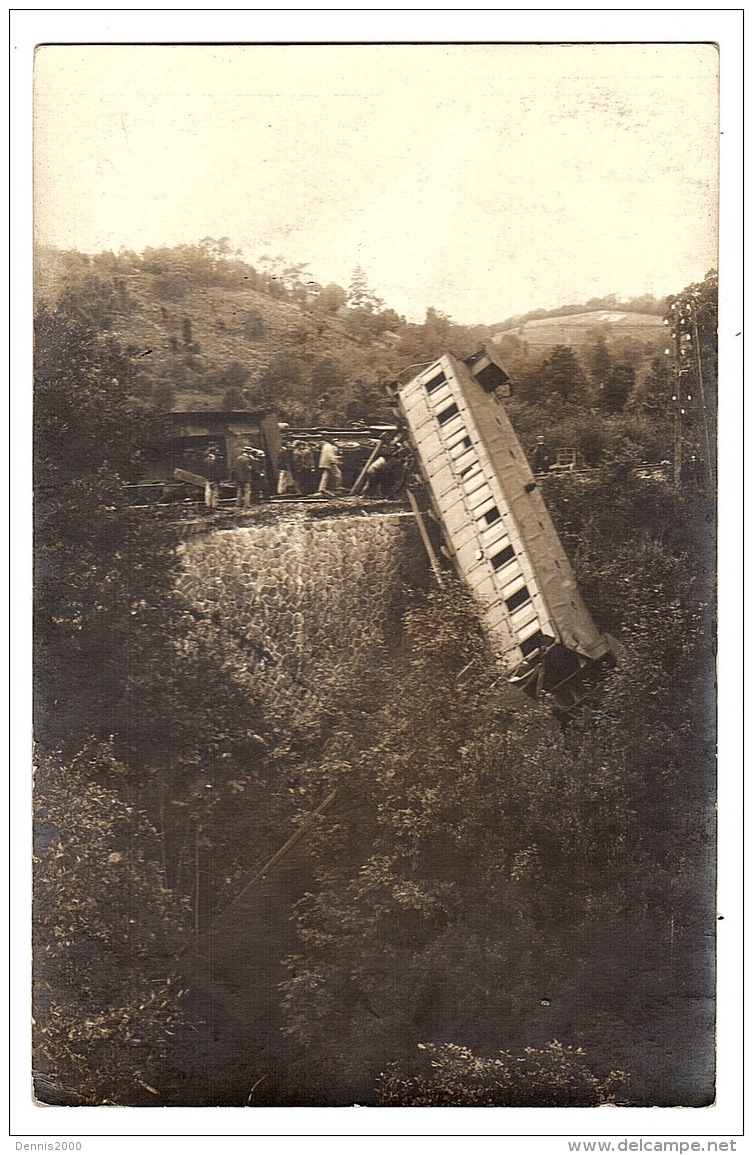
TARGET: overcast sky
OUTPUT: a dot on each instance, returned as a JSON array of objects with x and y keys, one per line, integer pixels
[{"x": 482, "y": 180}]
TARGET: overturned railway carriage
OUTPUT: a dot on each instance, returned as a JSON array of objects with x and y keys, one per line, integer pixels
[{"x": 497, "y": 528}]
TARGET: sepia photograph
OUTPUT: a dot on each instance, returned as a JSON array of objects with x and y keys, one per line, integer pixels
[{"x": 375, "y": 479}]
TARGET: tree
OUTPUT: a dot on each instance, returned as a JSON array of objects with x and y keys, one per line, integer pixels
[
  {"x": 234, "y": 376},
  {"x": 326, "y": 373},
  {"x": 98, "y": 574},
  {"x": 294, "y": 277},
  {"x": 514, "y": 352},
  {"x": 233, "y": 398},
  {"x": 332, "y": 298},
  {"x": 171, "y": 270},
  {"x": 617, "y": 388},
  {"x": 280, "y": 382},
  {"x": 692, "y": 321},
  {"x": 599, "y": 362},
  {"x": 106, "y": 931},
  {"x": 530, "y": 384},
  {"x": 253, "y": 328},
  {"x": 216, "y": 250},
  {"x": 478, "y": 850},
  {"x": 563, "y": 374},
  {"x": 657, "y": 388},
  {"x": 360, "y": 296}
]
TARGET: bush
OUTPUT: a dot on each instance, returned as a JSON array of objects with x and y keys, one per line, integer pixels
[{"x": 452, "y": 1076}]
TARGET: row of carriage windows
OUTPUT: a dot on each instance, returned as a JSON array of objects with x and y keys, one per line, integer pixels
[{"x": 503, "y": 556}]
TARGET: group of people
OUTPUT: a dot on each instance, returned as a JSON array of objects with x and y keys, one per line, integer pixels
[
  {"x": 250, "y": 476},
  {"x": 305, "y": 468}
]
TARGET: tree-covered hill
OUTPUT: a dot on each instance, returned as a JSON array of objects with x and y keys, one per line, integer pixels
[{"x": 203, "y": 328}]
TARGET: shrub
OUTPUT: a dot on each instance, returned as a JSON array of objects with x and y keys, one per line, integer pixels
[{"x": 453, "y": 1076}]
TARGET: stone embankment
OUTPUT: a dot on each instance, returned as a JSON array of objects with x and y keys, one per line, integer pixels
[{"x": 298, "y": 599}]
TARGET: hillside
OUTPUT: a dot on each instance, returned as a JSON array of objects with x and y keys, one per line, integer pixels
[
  {"x": 204, "y": 329},
  {"x": 209, "y": 329},
  {"x": 579, "y": 329}
]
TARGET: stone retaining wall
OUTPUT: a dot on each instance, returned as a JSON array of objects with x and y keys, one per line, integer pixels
[{"x": 299, "y": 600}]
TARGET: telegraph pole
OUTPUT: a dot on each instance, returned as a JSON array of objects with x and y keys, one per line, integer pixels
[
  {"x": 683, "y": 319},
  {"x": 699, "y": 370},
  {"x": 679, "y": 353}
]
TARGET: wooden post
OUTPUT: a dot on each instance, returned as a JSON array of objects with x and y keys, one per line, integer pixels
[
  {"x": 678, "y": 402},
  {"x": 678, "y": 446},
  {"x": 296, "y": 836},
  {"x": 425, "y": 538},
  {"x": 697, "y": 344},
  {"x": 359, "y": 480}
]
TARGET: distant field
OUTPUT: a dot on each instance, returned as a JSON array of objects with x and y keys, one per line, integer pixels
[{"x": 578, "y": 329}]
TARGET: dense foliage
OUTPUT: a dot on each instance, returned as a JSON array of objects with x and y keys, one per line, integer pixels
[
  {"x": 486, "y": 882},
  {"x": 501, "y": 865},
  {"x": 106, "y": 932},
  {"x": 208, "y": 329}
]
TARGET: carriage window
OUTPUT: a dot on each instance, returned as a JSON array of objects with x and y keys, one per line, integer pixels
[
  {"x": 435, "y": 382},
  {"x": 502, "y": 558},
  {"x": 518, "y": 599},
  {"x": 491, "y": 515},
  {"x": 535, "y": 642},
  {"x": 447, "y": 414}
]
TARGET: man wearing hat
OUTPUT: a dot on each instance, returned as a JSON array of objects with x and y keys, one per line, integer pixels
[
  {"x": 244, "y": 476},
  {"x": 542, "y": 458}
]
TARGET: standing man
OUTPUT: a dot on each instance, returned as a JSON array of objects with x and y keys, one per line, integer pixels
[
  {"x": 259, "y": 474},
  {"x": 299, "y": 471},
  {"x": 308, "y": 466},
  {"x": 244, "y": 469},
  {"x": 212, "y": 476},
  {"x": 285, "y": 481},
  {"x": 329, "y": 463},
  {"x": 542, "y": 458}
]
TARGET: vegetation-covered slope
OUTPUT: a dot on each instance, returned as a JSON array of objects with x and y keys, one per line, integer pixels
[
  {"x": 205, "y": 329},
  {"x": 486, "y": 885}
]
